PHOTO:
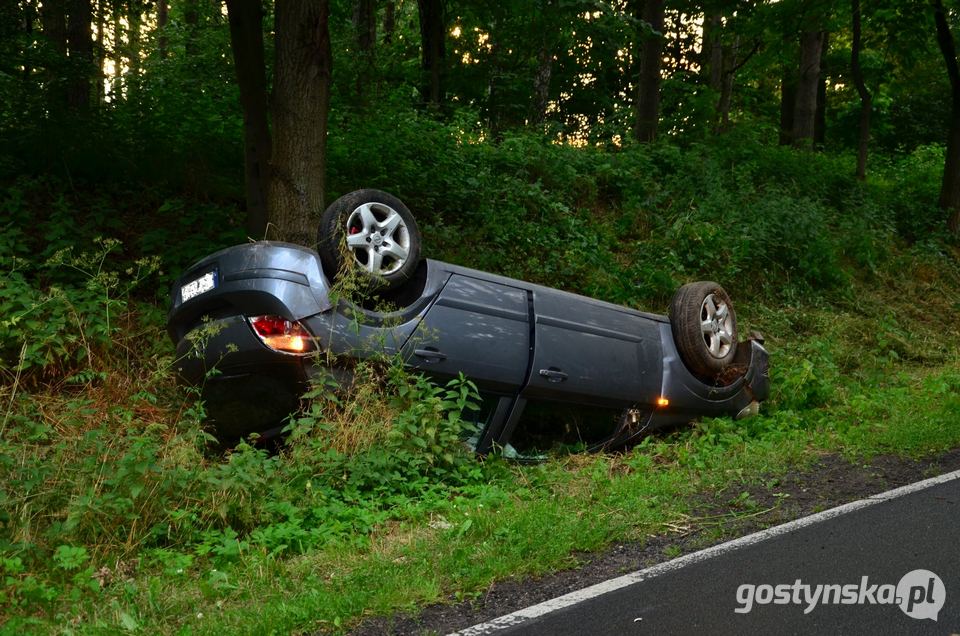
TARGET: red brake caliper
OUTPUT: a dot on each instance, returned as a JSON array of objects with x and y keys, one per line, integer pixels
[{"x": 354, "y": 230}]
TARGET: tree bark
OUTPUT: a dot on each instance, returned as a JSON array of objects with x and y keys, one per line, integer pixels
[
  {"x": 99, "y": 55},
  {"x": 950, "y": 188},
  {"x": 191, "y": 17},
  {"x": 805, "y": 108},
  {"x": 53, "y": 20},
  {"x": 866, "y": 100},
  {"x": 80, "y": 47},
  {"x": 541, "y": 84},
  {"x": 648, "y": 85},
  {"x": 389, "y": 21},
  {"x": 134, "y": 22},
  {"x": 433, "y": 47},
  {"x": 820, "y": 122},
  {"x": 365, "y": 24},
  {"x": 246, "y": 42},
  {"x": 729, "y": 60},
  {"x": 301, "y": 101},
  {"x": 713, "y": 51},
  {"x": 163, "y": 17}
]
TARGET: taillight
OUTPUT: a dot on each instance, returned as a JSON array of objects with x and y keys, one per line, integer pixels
[{"x": 283, "y": 335}]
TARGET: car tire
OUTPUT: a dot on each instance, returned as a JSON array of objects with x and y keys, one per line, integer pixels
[
  {"x": 704, "y": 327},
  {"x": 372, "y": 231}
]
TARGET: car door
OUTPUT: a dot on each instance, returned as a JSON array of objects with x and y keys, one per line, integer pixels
[
  {"x": 591, "y": 352},
  {"x": 477, "y": 327}
]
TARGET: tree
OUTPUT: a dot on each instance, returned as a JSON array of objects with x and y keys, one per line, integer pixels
[
  {"x": 365, "y": 25},
  {"x": 805, "y": 108},
  {"x": 433, "y": 49},
  {"x": 648, "y": 84},
  {"x": 246, "y": 41},
  {"x": 301, "y": 99},
  {"x": 53, "y": 19},
  {"x": 950, "y": 188},
  {"x": 865, "y": 98}
]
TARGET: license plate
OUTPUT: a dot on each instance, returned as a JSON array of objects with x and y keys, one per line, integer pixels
[{"x": 196, "y": 287}]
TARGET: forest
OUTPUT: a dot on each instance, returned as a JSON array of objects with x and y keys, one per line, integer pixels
[{"x": 803, "y": 153}]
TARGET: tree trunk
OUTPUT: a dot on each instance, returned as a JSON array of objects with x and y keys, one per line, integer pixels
[
  {"x": 805, "y": 108},
  {"x": 713, "y": 51},
  {"x": 301, "y": 100},
  {"x": 541, "y": 84},
  {"x": 29, "y": 14},
  {"x": 950, "y": 188},
  {"x": 866, "y": 100},
  {"x": 99, "y": 54},
  {"x": 365, "y": 23},
  {"x": 163, "y": 16},
  {"x": 433, "y": 47},
  {"x": 80, "y": 47},
  {"x": 134, "y": 22},
  {"x": 389, "y": 21},
  {"x": 191, "y": 17},
  {"x": 246, "y": 41},
  {"x": 53, "y": 19},
  {"x": 729, "y": 60},
  {"x": 117, "y": 52},
  {"x": 648, "y": 85},
  {"x": 820, "y": 123}
]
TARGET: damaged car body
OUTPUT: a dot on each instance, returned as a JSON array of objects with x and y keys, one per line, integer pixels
[{"x": 259, "y": 313}]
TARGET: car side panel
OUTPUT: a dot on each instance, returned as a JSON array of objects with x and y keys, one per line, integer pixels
[
  {"x": 476, "y": 327},
  {"x": 591, "y": 353}
]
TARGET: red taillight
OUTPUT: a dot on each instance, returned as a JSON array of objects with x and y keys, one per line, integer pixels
[{"x": 281, "y": 334}]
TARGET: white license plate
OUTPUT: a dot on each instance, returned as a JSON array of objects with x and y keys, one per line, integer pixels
[{"x": 196, "y": 287}]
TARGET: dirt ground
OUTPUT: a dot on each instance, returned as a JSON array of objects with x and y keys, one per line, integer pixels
[{"x": 831, "y": 482}]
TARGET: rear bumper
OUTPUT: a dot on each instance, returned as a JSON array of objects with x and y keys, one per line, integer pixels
[{"x": 245, "y": 386}]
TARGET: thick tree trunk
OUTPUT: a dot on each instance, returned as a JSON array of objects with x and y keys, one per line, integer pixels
[
  {"x": 712, "y": 53},
  {"x": 246, "y": 41},
  {"x": 163, "y": 17},
  {"x": 729, "y": 57},
  {"x": 365, "y": 23},
  {"x": 433, "y": 47},
  {"x": 950, "y": 188},
  {"x": 541, "y": 84},
  {"x": 866, "y": 101},
  {"x": 805, "y": 108},
  {"x": 301, "y": 101},
  {"x": 389, "y": 21},
  {"x": 80, "y": 47},
  {"x": 648, "y": 85}
]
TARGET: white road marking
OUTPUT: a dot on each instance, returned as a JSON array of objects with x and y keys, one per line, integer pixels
[{"x": 587, "y": 593}]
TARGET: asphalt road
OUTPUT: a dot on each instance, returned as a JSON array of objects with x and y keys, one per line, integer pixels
[{"x": 883, "y": 541}]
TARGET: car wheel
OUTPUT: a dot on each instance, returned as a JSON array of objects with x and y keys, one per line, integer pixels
[
  {"x": 704, "y": 327},
  {"x": 372, "y": 231}
]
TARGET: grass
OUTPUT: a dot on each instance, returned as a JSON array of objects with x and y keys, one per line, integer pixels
[{"x": 117, "y": 515}]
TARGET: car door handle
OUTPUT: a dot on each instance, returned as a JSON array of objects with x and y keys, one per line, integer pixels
[
  {"x": 430, "y": 354},
  {"x": 553, "y": 375}
]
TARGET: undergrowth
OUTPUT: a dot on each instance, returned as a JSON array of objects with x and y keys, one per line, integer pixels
[{"x": 117, "y": 512}]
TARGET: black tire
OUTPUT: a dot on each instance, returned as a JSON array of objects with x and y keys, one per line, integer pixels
[
  {"x": 344, "y": 218},
  {"x": 706, "y": 340}
]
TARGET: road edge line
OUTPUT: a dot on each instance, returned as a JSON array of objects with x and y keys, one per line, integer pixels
[{"x": 610, "y": 585}]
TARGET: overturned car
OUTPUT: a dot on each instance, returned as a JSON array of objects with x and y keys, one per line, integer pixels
[{"x": 259, "y": 314}]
